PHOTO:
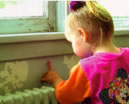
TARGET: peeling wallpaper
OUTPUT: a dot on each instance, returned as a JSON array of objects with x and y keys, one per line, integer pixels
[
  {"x": 13, "y": 74},
  {"x": 26, "y": 74},
  {"x": 70, "y": 61}
]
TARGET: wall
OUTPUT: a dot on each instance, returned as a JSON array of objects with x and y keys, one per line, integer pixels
[
  {"x": 22, "y": 64},
  {"x": 23, "y": 61}
]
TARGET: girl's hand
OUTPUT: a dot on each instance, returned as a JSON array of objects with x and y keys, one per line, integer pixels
[{"x": 51, "y": 76}]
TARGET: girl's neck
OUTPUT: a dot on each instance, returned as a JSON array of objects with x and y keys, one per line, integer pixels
[{"x": 106, "y": 46}]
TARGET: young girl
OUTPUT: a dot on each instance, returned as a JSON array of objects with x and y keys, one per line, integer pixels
[{"x": 101, "y": 76}]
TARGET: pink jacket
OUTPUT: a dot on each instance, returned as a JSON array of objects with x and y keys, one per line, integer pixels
[{"x": 108, "y": 76}]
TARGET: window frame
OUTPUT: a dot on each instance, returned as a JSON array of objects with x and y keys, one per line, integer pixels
[{"x": 32, "y": 24}]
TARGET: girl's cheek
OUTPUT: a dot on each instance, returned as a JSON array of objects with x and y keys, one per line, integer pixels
[
  {"x": 77, "y": 43},
  {"x": 76, "y": 49}
]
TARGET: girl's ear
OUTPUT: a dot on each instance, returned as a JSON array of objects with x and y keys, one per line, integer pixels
[{"x": 83, "y": 34}]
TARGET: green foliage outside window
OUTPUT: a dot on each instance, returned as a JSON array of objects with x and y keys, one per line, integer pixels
[{"x": 3, "y": 3}]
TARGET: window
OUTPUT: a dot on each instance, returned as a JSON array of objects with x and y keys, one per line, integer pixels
[
  {"x": 38, "y": 16},
  {"x": 119, "y": 10},
  {"x": 22, "y": 8},
  {"x": 27, "y": 16}
]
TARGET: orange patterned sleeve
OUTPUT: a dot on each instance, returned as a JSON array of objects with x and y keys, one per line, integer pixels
[{"x": 75, "y": 89}]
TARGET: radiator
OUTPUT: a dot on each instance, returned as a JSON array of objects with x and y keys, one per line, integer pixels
[{"x": 43, "y": 95}]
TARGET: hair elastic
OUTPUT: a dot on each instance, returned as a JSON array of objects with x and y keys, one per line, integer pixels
[{"x": 74, "y": 5}]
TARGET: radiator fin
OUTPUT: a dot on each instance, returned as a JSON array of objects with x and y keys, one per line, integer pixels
[{"x": 43, "y": 95}]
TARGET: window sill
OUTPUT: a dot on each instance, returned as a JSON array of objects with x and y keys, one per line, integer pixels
[
  {"x": 30, "y": 37},
  {"x": 121, "y": 32},
  {"x": 37, "y": 45}
]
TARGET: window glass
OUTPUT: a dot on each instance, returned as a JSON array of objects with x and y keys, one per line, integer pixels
[
  {"x": 119, "y": 10},
  {"x": 116, "y": 7},
  {"x": 21, "y": 8}
]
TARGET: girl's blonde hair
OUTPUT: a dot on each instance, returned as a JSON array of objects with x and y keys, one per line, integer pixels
[{"x": 94, "y": 18}]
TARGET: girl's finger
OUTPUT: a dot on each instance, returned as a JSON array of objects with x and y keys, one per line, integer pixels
[{"x": 50, "y": 66}]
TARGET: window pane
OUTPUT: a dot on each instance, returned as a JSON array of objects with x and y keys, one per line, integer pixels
[
  {"x": 116, "y": 7},
  {"x": 20, "y": 8},
  {"x": 119, "y": 9}
]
